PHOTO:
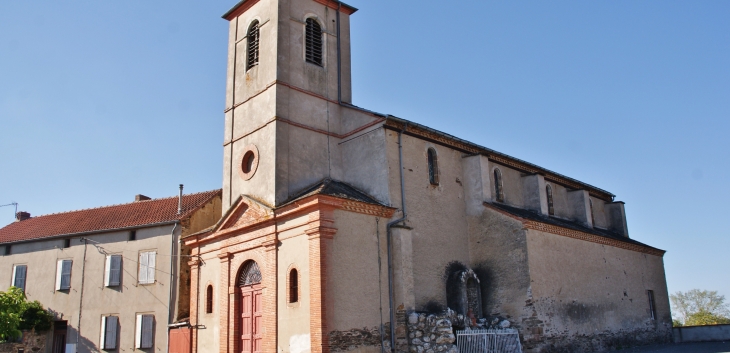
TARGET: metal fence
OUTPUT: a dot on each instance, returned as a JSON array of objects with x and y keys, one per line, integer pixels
[{"x": 488, "y": 341}]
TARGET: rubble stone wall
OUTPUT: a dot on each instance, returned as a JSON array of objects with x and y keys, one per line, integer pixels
[{"x": 31, "y": 342}]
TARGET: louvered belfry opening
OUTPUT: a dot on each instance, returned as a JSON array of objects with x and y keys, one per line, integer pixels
[
  {"x": 250, "y": 274},
  {"x": 253, "y": 45},
  {"x": 314, "y": 42}
]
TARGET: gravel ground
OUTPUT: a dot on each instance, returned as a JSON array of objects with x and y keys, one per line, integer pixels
[{"x": 704, "y": 347}]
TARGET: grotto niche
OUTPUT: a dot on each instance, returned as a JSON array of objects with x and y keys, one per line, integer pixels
[{"x": 464, "y": 294}]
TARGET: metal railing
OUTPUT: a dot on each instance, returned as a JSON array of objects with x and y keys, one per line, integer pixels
[{"x": 488, "y": 341}]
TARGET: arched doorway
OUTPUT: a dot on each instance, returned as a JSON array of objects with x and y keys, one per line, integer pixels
[{"x": 251, "y": 308}]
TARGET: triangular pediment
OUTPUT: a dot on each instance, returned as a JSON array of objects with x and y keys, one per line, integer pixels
[{"x": 246, "y": 211}]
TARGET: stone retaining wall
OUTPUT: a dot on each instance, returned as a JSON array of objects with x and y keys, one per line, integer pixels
[{"x": 31, "y": 342}]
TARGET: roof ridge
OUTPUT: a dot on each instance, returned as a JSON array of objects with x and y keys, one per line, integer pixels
[{"x": 123, "y": 204}]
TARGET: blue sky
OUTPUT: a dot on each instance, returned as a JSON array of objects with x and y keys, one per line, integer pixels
[{"x": 102, "y": 100}]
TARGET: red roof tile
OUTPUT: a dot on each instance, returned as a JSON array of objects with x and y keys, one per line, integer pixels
[{"x": 105, "y": 218}]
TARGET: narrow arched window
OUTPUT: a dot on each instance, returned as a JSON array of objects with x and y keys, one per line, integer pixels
[
  {"x": 593, "y": 219},
  {"x": 433, "y": 167},
  {"x": 293, "y": 286},
  {"x": 498, "y": 189},
  {"x": 252, "y": 58},
  {"x": 209, "y": 299},
  {"x": 549, "y": 192},
  {"x": 313, "y": 45}
]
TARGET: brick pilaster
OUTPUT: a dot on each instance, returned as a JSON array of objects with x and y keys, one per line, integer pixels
[
  {"x": 194, "y": 302},
  {"x": 223, "y": 301},
  {"x": 269, "y": 274},
  {"x": 319, "y": 237}
]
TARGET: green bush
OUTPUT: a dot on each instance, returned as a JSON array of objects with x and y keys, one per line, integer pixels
[{"x": 17, "y": 314}]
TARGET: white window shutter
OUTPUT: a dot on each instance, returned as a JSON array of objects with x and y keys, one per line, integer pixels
[
  {"x": 15, "y": 272},
  {"x": 138, "y": 333},
  {"x": 111, "y": 332},
  {"x": 102, "y": 339},
  {"x": 143, "y": 261},
  {"x": 115, "y": 270},
  {"x": 59, "y": 268},
  {"x": 107, "y": 270},
  {"x": 151, "y": 267}
]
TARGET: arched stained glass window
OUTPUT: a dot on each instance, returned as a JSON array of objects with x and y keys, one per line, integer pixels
[
  {"x": 498, "y": 189},
  {"x": 313, "y": 39},
  {"x": 549, "y": 192},
  {"x": 250, "y": 274},
  {"x": 433, "y": 167}
]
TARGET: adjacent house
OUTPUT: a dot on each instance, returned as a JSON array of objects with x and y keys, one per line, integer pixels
[{"x": 111, "y": 275}]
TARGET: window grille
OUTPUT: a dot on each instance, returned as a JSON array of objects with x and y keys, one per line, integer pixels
[
  {"x": 652, "y": 307},
  {"x": 549, "y": 192},
  {"x": 250, "y": 274},
  {"x": 293, "y": 286},
  {"x": 109, "y": 332},
  {"x": 313, "y": 42},
  {"x": 144, "y": 335},
  {"x": 209, "y": 300},
  {"x": 498, "y": 189},
  {"x": 63, "y": 274},
  {"x": 252, "y": 58},
  {"x": 113, "y": 270},
  {"x": 19, "y": 274},
  {"x": 433, "y": 167},
  {"x": 146, "y": 267}
]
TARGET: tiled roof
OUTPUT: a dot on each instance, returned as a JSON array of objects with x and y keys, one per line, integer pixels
[
  {"x": 128, "y": 215},
  {"x": 334, "y": 188}
]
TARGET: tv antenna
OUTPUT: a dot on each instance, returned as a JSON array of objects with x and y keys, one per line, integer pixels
[{"x": 12, "y": 204}]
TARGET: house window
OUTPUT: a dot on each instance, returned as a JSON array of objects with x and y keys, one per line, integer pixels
[
  {"x": 19, "y": 275},
  {"x": 652, "y": 307},
  {"x": 63, "y": 274},
  {"x": 293, "y": 286},
  {"x": 113, "y": 270},
  {"x": 66, "y": 243},
  {"x": 132, "y": 235},
  {"x": 209, "y": 300},
  {"x": 144, "y": 333},
  {"x": 498, "y": 189},
  {"x": 252, "y": 58},
  {"x": 8, "y": 249},
  {"x": 433, "y": 167},
  {"x": 549, "y": 192},
  {"x": 313, "y": 45},
  {"x": 146, "y": 273},
  {"x": 109, "y": 326}
]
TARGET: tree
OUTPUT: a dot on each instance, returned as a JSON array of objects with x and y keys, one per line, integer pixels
[
  {"x": 17, "y": 314},
  {"x": 699, "y": 307},
  {"x": 12, "y": 304}
]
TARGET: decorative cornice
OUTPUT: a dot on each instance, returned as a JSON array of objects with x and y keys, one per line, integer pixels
[{"x": 571, "y": 233}]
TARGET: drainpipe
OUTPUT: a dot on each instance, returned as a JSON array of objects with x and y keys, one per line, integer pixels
[
  {"x": 172, "y": 259},
  {"x": 81, "y": 295},
  {"x": 391, "y": 291}
]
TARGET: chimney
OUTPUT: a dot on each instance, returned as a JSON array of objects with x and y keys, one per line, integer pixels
[
  {"x": 22, "y": 216},
  {"x": 140, "y": 197},
  {"x": 179, "y": 200}
]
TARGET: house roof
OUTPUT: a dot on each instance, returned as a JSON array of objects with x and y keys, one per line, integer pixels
[
  {"x": 534, "y": 216},
  {"x": 129, "y": 215},
  {"x": 334, "y": 188}
]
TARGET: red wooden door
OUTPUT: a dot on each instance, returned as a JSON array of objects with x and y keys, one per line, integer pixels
[
  {"x": 251, "y": 319},
  {"x": 180, "y": 340}
]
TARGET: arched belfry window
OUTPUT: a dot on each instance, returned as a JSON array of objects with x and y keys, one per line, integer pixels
[
  {"x": 209, "y": 300},
  {"x": 313, "y": 39},
  {"x": 498, "y": 189},
  {"x": 293, "y": 286},
  {"x": 433, "y": 167},
  {"x": 252, "y": 58},
  {"x": 549, "y": 192},
  {"x": 250, "y": 274}
]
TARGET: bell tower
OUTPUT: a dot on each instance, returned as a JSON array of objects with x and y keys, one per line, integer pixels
[{"x": 288, "y": 78}]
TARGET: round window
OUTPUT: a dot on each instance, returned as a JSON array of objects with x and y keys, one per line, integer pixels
[{"x": 249, "y": 162}]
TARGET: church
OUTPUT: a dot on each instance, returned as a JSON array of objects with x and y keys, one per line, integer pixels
[{"x": 342, "y": 228}]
